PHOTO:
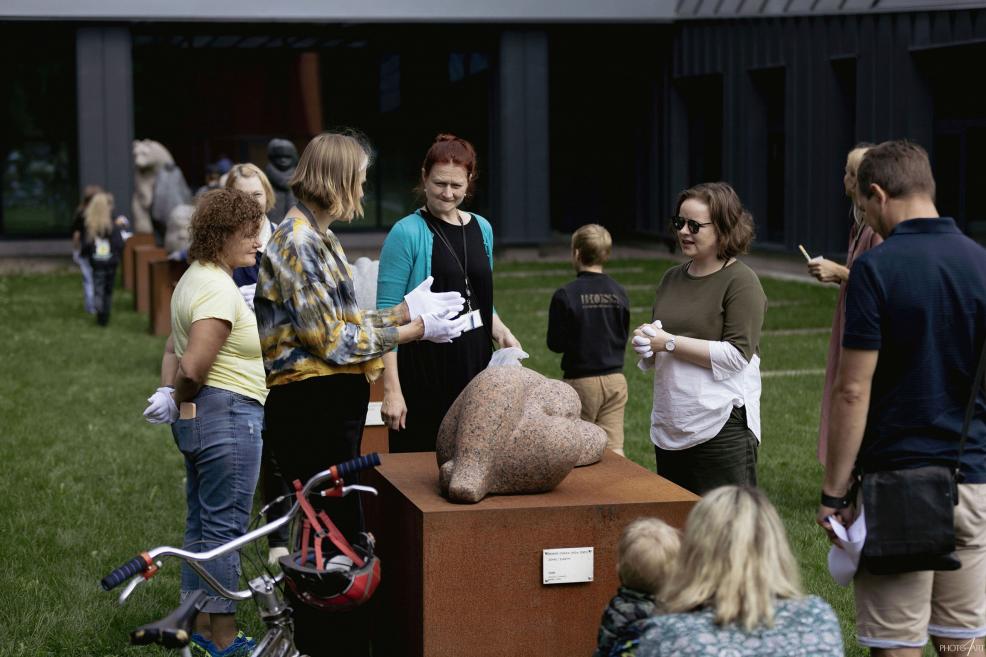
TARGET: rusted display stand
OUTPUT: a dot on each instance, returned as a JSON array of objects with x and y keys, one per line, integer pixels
[
  {"x": 143, "y": 257},
  {"x": 164, "y": 278},
  {"x": 129, "y": 263},
  {"x": 375, "y": 432},
  {"x": 461, "y": 579}
]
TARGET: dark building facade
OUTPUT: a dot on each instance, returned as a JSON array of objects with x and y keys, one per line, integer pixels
[{"x": 577, "y": 117}]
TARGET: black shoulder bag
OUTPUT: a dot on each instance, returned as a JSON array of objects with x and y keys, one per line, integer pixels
[{"x": 910, "y": 514}]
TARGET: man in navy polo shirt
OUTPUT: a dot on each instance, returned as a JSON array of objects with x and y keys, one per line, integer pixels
[{"x": 915, "y": 326}]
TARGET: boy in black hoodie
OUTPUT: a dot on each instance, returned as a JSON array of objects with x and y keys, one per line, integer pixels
[{"x": 588, "y": 323}]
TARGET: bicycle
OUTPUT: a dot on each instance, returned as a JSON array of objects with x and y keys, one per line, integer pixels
[{"x": 174, "y": 631}]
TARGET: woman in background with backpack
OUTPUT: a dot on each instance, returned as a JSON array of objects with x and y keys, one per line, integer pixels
[{"x": 101, "y": 243}]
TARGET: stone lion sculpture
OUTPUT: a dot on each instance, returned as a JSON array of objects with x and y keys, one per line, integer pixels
[{"x": 512, "y": 431}]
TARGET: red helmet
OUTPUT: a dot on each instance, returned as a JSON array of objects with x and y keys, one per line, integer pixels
[{"x": 341, "y": 582}]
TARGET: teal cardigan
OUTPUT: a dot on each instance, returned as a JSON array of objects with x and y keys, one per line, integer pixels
[{"x": 405, "y": 259}]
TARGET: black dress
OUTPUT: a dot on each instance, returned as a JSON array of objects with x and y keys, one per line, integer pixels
[{"x": 432, "y": 375}]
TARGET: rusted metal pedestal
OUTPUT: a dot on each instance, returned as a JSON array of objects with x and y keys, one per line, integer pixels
[{"x": 466, "y": 579}]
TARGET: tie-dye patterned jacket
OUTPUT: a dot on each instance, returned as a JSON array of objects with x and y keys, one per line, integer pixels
[{"x": 307, "y": 315}]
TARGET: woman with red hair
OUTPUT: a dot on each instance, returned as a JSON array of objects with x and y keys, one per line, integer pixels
[{"x": 454, "y": 249}]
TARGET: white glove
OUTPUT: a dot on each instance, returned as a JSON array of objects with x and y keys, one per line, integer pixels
[
  {"x": 248, "y": 292},
  {"x": 162, "y": 408},
  {"x": 641, "y": 344},
  {"x": 422, "y": 301},
  {"x": 440, "y": 329}
]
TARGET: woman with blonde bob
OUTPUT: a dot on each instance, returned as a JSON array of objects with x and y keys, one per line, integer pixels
[
  {"x": 736, "y": 586},
  {"x": 321, "y": 350}
]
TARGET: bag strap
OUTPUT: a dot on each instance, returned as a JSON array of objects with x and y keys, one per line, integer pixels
[{"x": 977, "y": 382}]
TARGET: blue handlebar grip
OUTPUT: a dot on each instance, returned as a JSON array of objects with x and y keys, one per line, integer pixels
[
  {"x": 124, "y": 572},
  {"x": 357, "y": 464}
]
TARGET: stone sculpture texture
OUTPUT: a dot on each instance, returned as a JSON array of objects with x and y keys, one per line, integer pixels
[
  {"x": 282, "y": 158},
  {"x": 159, "y": 188},
  {"x": 513, "y": 431}
]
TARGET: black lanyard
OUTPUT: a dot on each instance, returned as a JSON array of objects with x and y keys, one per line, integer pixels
[{"x": 463, "y": 267}]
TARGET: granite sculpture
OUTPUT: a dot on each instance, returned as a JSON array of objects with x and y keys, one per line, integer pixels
[
  {"x": 513, "y": 431},
  {"x": 282, "y": 158}
]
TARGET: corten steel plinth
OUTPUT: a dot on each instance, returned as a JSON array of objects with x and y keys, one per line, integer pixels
[
  {"x": 164, "y": 277},
  {"x": 466, "y": 579},
  {"x": 143, "y": 257},
  {"x": 129, "y": 269}
]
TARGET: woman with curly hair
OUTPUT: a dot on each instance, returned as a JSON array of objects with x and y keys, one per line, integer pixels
[
  {"x": 213, "y": 371},
  {"x": 703, "y": 346}
]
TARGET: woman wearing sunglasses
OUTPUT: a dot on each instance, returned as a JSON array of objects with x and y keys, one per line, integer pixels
[{"x": 703, "y": 346}]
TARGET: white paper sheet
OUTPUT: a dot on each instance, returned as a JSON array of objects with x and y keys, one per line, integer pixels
[{"x": 844, "y": 562}]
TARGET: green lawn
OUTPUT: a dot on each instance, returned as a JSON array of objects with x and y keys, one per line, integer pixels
[{"x": 87, "y": 483}]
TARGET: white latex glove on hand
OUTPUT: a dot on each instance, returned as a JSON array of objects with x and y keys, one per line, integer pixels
[
  {"x": 162, "y": 408},
  {"x": 422, "y": 301},
  {"x": 642, "y": 343},
  {"x": 440, "y": 329},
  {"x": 248, "y": 292}
]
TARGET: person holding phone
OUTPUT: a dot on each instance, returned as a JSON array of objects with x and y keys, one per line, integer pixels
[
  {"x": 862, "y": 238},
  {"x": 703, "y": 347}
]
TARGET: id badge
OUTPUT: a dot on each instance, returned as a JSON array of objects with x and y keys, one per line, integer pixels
[{"x": 475, "y": 320}]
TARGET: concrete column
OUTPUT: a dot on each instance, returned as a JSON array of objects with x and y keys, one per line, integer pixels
[
  {"x": 520, "y": 182},
  {"x": 104, "y": 78}
]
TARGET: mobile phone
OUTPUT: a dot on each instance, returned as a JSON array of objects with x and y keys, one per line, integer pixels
[{"x": 186, "y": 411}]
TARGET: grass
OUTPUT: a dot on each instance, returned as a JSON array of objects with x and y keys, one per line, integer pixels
[{"x": 87, "y": 482}]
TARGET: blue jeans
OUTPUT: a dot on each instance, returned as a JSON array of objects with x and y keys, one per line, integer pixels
[{"x": 222, "y": 446}]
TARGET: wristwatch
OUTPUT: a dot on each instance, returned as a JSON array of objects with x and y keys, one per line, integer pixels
[{"x": 669, "y": 345}]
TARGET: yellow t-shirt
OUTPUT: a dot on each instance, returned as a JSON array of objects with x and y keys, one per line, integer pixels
[{"x": 205, "y": 291}]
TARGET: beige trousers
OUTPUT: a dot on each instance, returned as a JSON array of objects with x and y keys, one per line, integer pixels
[{"x": 603, "y": 400}]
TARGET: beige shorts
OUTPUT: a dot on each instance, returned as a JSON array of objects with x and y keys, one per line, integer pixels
[
  {"x": 603, "y": 400},
  {"x": 900, "y": 611}
]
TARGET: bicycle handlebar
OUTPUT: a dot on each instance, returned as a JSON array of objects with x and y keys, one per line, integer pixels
[
  {"x": 142, "y": 562},
  {"x": 357, "y": 464},
  {"x": 138, "y": 564}
]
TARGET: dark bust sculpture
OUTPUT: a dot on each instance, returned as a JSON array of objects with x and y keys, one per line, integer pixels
[{"x": 282, "y": 158}]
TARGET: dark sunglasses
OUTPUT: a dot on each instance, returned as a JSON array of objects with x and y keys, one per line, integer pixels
[{"x": 693, "y": 226}]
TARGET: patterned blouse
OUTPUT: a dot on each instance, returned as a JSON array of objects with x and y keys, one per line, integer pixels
[
  {"x": 805, "y": 627},
  {"x": 307, "y": 315}
]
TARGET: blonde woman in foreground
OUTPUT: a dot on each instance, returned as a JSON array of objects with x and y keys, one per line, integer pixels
[{"x": 736, "y": 590}]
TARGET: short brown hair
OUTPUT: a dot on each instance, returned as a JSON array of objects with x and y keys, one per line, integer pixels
[
  {"x": 220, "y": 215},
  {"x": 647, "y": 554},
  {"x": 594, "y": 244},
  {"x": 733, "y": 223},
  {"x": 248, "y": 170},
  {"x": 900, "y": 167},
  {"x": 328, "y": 173}
]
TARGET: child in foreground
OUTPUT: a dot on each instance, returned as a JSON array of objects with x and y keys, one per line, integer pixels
[
  {"x": 648, "y": 549},
  {"x": 588, "y": 323}
]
